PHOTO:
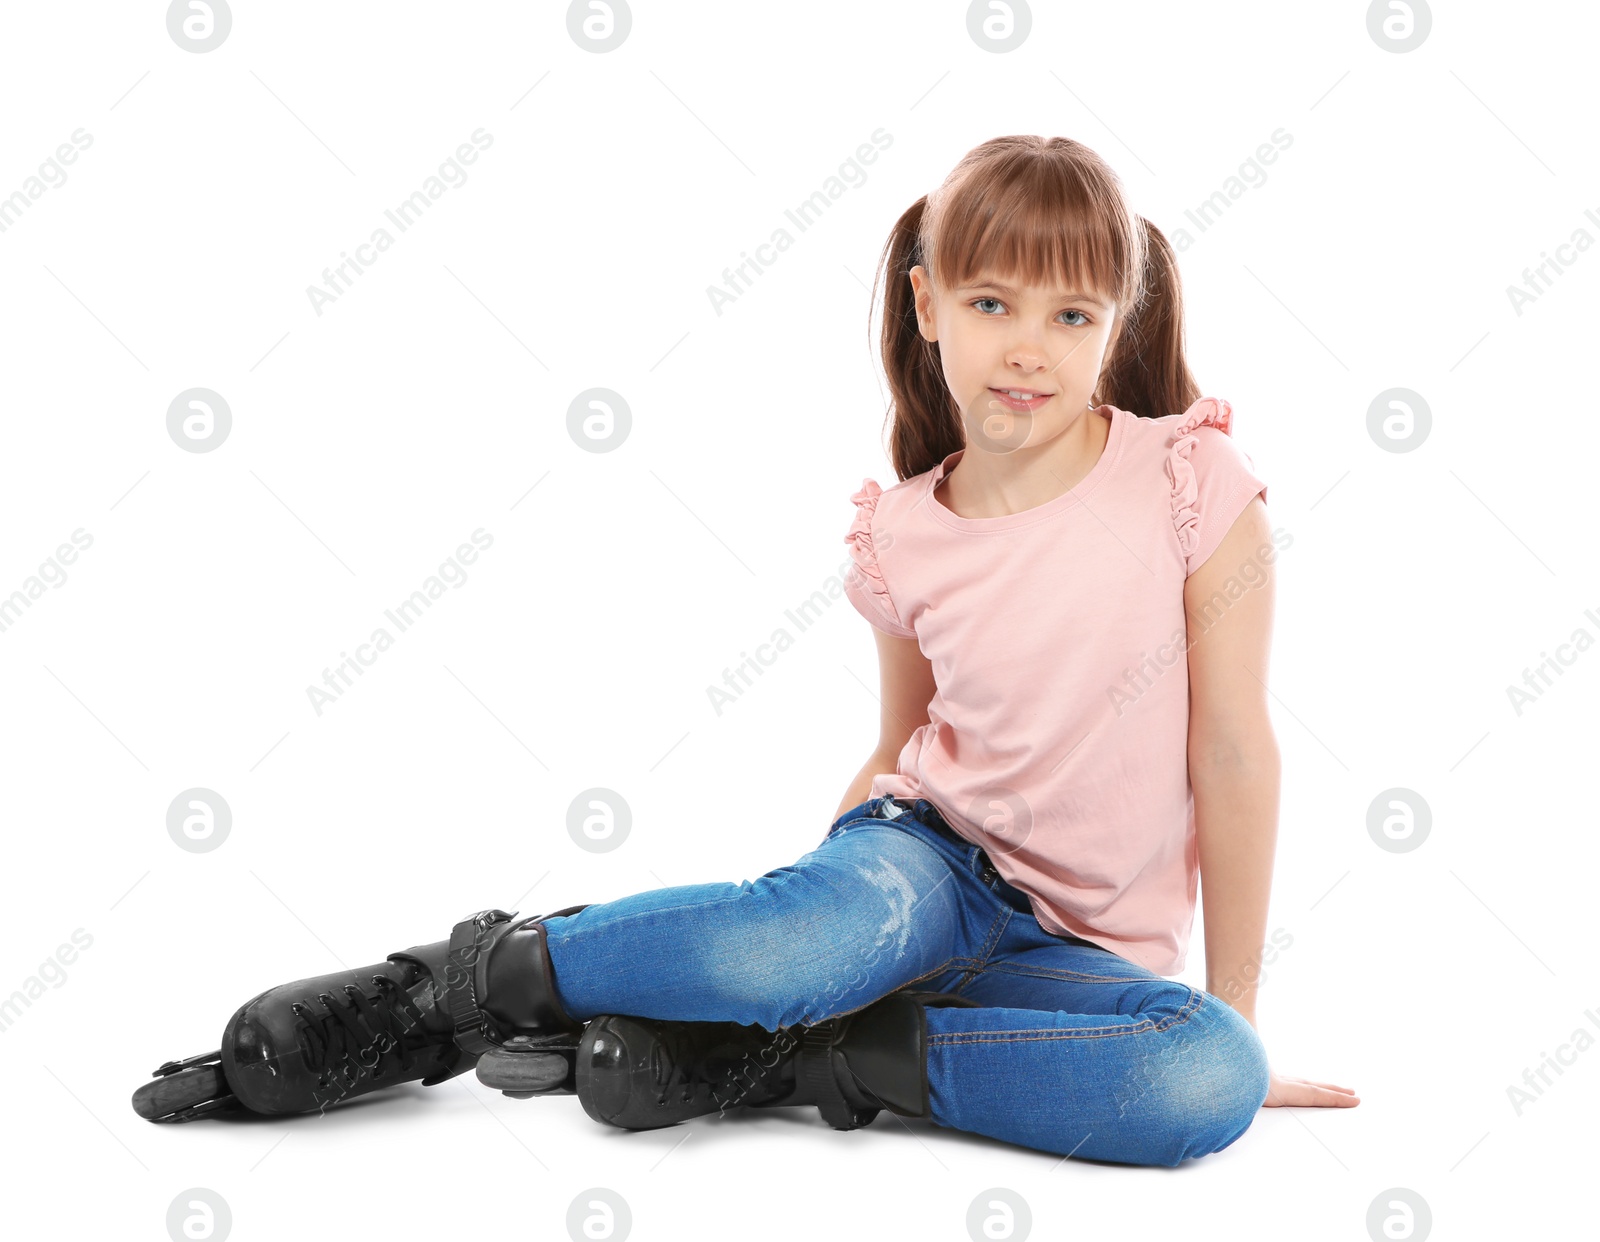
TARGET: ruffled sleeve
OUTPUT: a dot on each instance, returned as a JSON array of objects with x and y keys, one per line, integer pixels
[
  {"x": 863, "y": 581},
  {"x": 1212, "y": 479}
]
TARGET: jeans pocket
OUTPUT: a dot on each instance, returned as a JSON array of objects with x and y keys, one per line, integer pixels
[{"x": 862, "y": 810}]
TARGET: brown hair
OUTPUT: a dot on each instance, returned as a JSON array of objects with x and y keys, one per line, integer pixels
[{"x": 1026, "y": 208}]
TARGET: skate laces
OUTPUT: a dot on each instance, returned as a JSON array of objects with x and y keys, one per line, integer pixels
[
  {"x": 720, "y": 1058},
  {"x": 690, "y": 1057},
  {"x": 383, "y": 1033}
]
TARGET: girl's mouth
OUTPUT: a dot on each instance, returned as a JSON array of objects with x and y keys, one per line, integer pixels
[{"x": 1019, "y": 399}]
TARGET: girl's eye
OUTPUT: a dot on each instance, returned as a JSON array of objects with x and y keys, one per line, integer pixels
[{"x": 1082, "y": 318}]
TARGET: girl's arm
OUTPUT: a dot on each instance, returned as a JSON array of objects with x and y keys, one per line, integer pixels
[
  {"x": 1233, "y": 755},
  {"x": 905, "y": 678}
]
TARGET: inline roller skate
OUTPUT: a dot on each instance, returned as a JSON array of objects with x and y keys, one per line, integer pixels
[
  {"x": 645, "y": 1073},
  {"x": 427, "y": 1013}
]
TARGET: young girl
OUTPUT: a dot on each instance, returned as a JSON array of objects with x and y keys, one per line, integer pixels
[{"x": 1071, "y": 590}]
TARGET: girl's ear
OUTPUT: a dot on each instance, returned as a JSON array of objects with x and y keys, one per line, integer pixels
[{"x": 922, "y": 297}]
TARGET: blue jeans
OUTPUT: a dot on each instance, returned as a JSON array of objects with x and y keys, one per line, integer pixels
[{"x": 1073, "y": 1049}]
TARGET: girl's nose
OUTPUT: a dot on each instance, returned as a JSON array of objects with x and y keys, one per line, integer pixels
[
  {"x": 1027, "y": 362},
  {"x": 1027, "y": 353}
]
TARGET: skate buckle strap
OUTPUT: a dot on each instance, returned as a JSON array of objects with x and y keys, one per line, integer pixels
[
  {"x": 469, "y": 941},
  {"x": 816, "y": 1064}
]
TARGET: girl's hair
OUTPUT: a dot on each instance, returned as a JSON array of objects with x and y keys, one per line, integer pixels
[{"x": 1026, "y": 208}]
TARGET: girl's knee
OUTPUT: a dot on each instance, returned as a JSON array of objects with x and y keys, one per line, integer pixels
[
  {"x": 1194, "y": 1086},
  {"x": 1216, "y": 1099}
]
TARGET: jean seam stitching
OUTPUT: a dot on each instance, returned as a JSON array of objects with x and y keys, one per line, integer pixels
[
  {"x": 948, "y": 963},
  {"x": 1190, "y": 1007},
  {"x": 1056, "y": 972},
  {"x": 995, "y": 931}
]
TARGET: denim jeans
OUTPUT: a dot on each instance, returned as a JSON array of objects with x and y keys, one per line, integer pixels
[{"x": 1071, "y": 1048}]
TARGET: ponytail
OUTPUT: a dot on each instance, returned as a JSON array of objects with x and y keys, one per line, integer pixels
[
  {"x": 919, "y": 440},
  {"x": 1145, "y": 372}
]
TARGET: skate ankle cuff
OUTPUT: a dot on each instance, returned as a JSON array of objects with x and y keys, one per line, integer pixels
[
  {"x": 817, "y": 1060},
  {"x": 518, "y": 992},
  {"x": 470, "y": 942},
  {"x": 501, "y": 981}
]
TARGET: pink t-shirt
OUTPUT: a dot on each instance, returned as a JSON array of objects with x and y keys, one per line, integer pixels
[{"x": 1058, "y": 733}]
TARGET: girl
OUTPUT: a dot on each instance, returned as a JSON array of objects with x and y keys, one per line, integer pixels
[{"x": 1071, "y": 589}]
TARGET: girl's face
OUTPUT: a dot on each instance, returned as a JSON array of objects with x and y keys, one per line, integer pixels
[{"x": 998, "y": 337}]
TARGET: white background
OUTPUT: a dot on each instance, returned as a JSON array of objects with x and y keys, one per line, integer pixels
[{"x": 371, "y": 440}]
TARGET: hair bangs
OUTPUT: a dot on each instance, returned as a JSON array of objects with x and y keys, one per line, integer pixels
[{"x": 1032, "y": 219}]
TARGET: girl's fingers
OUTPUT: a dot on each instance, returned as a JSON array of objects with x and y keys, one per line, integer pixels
[
  {"x": 1330, "y": 1086},
  {"x": 1303, "y": 1093},
  {"x": 1312, "y": 1082}
]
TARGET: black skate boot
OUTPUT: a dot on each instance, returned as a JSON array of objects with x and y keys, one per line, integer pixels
[
  {"x": 303, "y": 1047},
  {"x": 507, "y": 1012},
  {"x": 645, "y": 1073}
]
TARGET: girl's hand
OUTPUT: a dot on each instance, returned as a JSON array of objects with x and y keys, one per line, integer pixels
[{"x": 1283, "y": 1091}]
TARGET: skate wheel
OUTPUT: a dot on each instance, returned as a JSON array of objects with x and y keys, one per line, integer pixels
[
  {"x": 184, "y": 1095},
  {"x": 523, "y": 1074}
]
